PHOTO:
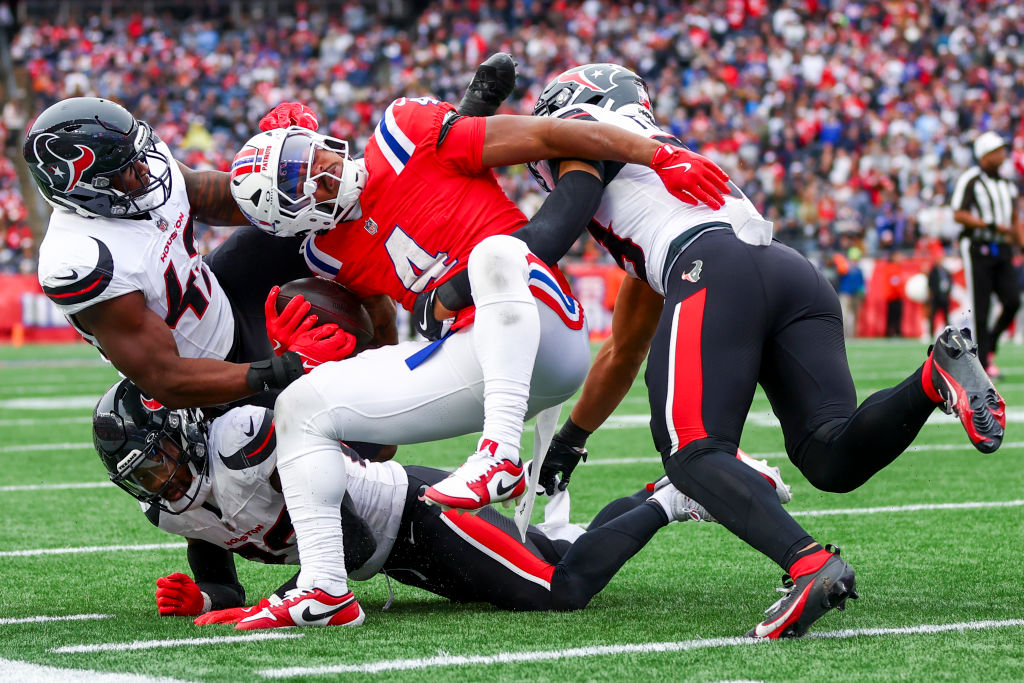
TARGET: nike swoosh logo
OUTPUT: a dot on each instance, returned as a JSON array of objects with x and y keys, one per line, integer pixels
[
  {"x": 427, "y": 310},
  {"x": 277, "y": 345},
  {"x": 73, "y": 276},
  {"x": 685, "y": 164},
  {"x": 308, "y": 365},
  {"x": 308, "y": 615},
  {"x": 252, "y": 428},
  {"x": 502, "y": 490}
]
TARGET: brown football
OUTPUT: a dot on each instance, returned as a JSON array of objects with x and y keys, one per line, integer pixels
[{"x": 332, "y": 303}]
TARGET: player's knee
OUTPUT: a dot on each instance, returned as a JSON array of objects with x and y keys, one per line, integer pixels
[{"x": 498, "y": 265}]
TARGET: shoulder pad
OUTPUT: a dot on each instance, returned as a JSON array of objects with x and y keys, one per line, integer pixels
[
  {"x": 76, "y": 284},
  {"x": 246, "y": 437}
]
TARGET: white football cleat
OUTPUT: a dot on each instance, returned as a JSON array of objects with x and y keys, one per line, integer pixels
[
  {"x": 306, "y": 607},
  {"x": 772, "y": 474},
  {"x": 491, "y": 475},
  {"x": 677, "y": 505}
]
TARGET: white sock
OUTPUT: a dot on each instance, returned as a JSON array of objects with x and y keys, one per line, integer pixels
[
  {"x": 506, "y": 333},
  {"x": 313, "y": 479}
]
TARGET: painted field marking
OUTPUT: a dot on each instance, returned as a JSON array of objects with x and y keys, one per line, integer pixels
[
  {"x": 795, "y": 513},
  {"x": 35, "y": 447},
  {"x": 66, "y": 617},
  {"x": 26, "y": 671},
  {"x": 91, "y": 549},
  {"x": 174, "y": 642},
  {"x": 389, "y": 665},
  {"x": 44, "y": 421},
  {"x": 57, "y": 487}
]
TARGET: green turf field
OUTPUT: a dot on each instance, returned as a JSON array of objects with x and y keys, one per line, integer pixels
[{"x": 936, "y": 541}]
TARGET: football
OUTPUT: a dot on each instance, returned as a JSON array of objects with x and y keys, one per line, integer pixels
[{"x": 332, "y": 303}]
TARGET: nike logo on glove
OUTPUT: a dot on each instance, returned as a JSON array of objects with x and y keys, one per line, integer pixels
[
  {"x": 685, "y": 164},
  {"x": 308, "y": 615},
  {"x": 252, "y": 428}
]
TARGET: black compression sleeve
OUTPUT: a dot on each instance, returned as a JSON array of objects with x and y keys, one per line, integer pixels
[
  {"x": 557, "y": 224},
  {"x": 213, "y": 569}
]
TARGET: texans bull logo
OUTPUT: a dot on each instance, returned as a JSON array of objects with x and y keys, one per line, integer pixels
[
  {"x": 598, "y": 80},
  {"x": 58, "y": 168}
]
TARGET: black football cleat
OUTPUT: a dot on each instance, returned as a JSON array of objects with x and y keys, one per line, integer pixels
[
  {"x": 493, "y": 82},
  {"x": 808, "y": 598},
  {"x": 966, "y": 390}
]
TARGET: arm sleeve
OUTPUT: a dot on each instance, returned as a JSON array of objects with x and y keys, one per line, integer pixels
[
  {"x": 214, "y": 571},
  {"x": 549, "y": 234}
]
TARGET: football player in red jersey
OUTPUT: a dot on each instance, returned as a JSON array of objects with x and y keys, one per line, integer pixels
[{"x": 422, "y": 205}]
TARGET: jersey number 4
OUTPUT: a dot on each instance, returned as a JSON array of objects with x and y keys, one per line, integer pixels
[{"x": 415, "y": 266}]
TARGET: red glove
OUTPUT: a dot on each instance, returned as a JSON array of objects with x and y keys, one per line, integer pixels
[
  {"x": 178, "y": 595},
  {"x": 321, "y": 344},
  {"x": 232, "y": 615},
  {"x": 689, "y": 176},
  {"x": 283, "y": 329},
  {"x": 289, "y": 114}
]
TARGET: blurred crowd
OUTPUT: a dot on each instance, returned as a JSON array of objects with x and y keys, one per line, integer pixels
[{"x": 845, "y": 122}]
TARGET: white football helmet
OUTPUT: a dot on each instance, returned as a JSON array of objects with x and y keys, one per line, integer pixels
[{"x": 273, "y": 181}]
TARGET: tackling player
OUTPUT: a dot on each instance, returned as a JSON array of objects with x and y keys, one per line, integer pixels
[
  {"x": 216, "y": 484},
  {"x": 722, "y": 307},
  {"x": 120, "y": 260}
]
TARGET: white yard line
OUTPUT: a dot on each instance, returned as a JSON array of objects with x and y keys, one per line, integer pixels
[
  {"x": 24, "y": 671},
  {"x": 66, "y": 617},
  {"x": 35, "y": 447},
  {"x": 91, "y": 549},
  {"x": 57, "y": 487},
  {"x": 389, "y": 665},
  {"x": 174, "y": 642},
  {"x": 795, "y": 513},
  {"x": 44, "y": 421}
]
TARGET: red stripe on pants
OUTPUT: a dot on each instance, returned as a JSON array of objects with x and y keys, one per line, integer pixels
[
  {"x": 686, "y": 381},
  {"x": 501, "y": 544}
]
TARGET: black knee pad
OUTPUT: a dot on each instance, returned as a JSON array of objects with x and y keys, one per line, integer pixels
[{"x": 678, "y": 463}]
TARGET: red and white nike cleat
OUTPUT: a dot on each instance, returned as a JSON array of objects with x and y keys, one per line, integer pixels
[
  {"x": 954, "y": 378},
  {"x": 489, "y": 476},
  {"x": 772, "y": 474},
  {"x": 306, "y": 607}
]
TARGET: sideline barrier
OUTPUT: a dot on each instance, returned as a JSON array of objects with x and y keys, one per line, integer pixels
[{"x": 27, "y": 316}]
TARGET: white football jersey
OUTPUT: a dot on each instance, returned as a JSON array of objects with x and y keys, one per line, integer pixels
[
  {"x": 253, "y": 520},
  {"x": 638, "y": 218},
  {"x": 83, "y": 261}
]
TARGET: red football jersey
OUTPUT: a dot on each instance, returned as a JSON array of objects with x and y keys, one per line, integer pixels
[{"x": 426, "y": 204}]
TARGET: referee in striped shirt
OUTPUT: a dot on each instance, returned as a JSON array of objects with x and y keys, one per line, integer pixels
[{"x": 985, "y": 204}]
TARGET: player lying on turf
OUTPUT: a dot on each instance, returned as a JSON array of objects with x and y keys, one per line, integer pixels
[
  {"x": 722, "y": 307},
  {"x": 216, "y": 484}
]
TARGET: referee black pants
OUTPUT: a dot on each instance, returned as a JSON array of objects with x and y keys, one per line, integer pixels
[
  {"x": 764, "y": 315},
  {"x": 989, "y": 270}
]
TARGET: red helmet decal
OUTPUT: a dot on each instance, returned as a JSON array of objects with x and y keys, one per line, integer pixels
[{"x": 150, "y": 404}]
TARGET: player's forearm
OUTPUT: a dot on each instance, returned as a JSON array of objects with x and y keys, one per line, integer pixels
[
  {"x": 969, "y": 220},
  {"x": 599, "y": 141},
  {"x": 608, "y": 382},
  {"x": 190, "y": 382},
  {"x": 209, "y": 194}
]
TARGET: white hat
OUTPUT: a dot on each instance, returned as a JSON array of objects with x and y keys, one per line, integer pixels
[{"x": 988, "y": 141}]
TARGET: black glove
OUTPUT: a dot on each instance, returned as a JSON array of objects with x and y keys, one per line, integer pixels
[
  {"x": 561, "y": 459},
  {"x": 423, "y": 316},
  {"x": 493, "y": 82}
]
